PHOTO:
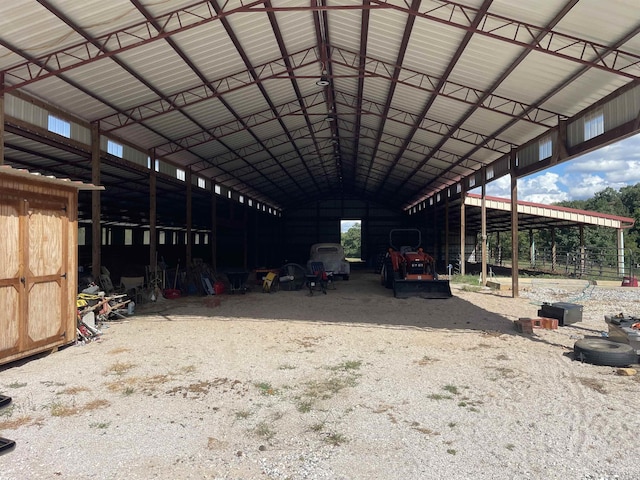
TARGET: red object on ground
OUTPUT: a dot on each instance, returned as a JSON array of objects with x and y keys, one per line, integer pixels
[
  {"x": 629, "y": 282},
  {"x": 218, "y": 288},
  {"x": 172, "y": 293}
]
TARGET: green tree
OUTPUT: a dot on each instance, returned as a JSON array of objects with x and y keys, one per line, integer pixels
[{"x": 352, "y": 242}]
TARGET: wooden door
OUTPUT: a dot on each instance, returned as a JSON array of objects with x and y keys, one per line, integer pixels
[
  {"x": 33, "y": 276},
  {"x": 11, "y": 289},
  {"x": 45, "y": 273}
]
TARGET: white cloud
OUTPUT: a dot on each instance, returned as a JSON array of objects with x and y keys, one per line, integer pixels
[
  {"x": 618, "y": 164},
  {"x": 499, "y": 188},
  {"x": 586, "y": 186},
  {"x": 543, "y": 188},
  {"x": 615, "y": 166}
]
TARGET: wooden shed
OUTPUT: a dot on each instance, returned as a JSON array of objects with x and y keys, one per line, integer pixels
[{"x": 38, "y": 262}]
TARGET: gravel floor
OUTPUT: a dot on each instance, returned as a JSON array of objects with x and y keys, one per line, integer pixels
[{"x": 350, "y": 385}]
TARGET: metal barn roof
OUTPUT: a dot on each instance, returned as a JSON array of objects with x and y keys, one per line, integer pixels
[{"x": 286, "y": 101}]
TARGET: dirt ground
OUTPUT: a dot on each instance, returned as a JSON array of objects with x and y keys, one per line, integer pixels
[{"x": 354, "y": 384}]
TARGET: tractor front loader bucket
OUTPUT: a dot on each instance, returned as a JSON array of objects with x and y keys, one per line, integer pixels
[{"x": 421, "y": 288}]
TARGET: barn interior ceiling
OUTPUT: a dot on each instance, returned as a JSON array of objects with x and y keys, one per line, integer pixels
[{"x": 289, "y": 101}]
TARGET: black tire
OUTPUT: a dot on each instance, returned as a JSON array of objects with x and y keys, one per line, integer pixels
[
  {"x": 387, "y": 271},
  {"x": 4, "y": 401},
  {"x": 600, "y": 351},
  {"x": 6, "y": 445}
]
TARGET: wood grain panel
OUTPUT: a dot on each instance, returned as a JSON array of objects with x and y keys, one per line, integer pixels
[
  {"x": 45, "y": 313},
  {"x": 9, "y": 239},
  {"x": 9, "y": 320},
  {"x": 45, "y": 241}
]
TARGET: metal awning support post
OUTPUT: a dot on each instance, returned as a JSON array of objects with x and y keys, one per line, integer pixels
[
  {"x": 532, "y": 249},
  {"x": 620, "y": 241},
  {"x": 554, "y": 250},
  {"x": 582, "y": 250}
]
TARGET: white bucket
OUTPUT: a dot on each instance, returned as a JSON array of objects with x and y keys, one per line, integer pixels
[{"x": 131, "y": 307}]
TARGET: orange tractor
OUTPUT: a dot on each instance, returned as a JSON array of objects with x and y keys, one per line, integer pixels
[{"x": 409, "y": 270}]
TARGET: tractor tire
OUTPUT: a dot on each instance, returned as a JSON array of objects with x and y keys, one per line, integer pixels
[
  {"x": 600, "y": 351},
  {"x": 387, "y": 273}
]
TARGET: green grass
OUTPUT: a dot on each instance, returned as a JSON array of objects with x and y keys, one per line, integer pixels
[
  {"x": 266, "y": 388},
  {"x": 17, "y": 385},
  {"x": 264, "y": 430},
  {"x": 439, "y": 396},
  {"x": 317, "y": 427},
  {"x": 451, "y": 389},
  {"x": 99, "y": 425},
  {"x": 467, "y": 279},
  {"x": 346, "y": 366},
  {"x": 335, "y": 439},
  {"x": 242, "y": 414}
]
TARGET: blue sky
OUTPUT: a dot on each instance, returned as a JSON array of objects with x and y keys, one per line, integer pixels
[{"x": 615, "y": 166}]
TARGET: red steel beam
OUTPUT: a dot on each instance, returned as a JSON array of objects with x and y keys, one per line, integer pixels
[
  {"x": 529, "y": 36},
  {"x": 119, "y": 41}
]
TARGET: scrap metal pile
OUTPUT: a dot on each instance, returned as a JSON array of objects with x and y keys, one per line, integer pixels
[{"x": 93, "y": 309}]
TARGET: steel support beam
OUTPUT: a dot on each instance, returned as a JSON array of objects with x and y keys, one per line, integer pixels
[
  {"x": 515, "y": 292},
  {"x": 96, "y": 226},
  {"x": 483, "y": 228},
  {"x": 189, "y": 217},
  {"x": 153, "y": 216}
]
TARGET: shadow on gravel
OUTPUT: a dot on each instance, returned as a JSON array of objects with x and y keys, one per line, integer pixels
[{"x": 362, "y": 300}]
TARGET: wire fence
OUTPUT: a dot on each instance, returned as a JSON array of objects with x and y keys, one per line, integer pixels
[{"x": 587, "y": 263}]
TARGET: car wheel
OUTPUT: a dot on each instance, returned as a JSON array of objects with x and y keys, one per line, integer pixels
[{"x": 600, "y": 351}]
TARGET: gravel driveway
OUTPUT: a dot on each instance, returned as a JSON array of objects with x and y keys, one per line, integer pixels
[{"x": 354, "y": 384}]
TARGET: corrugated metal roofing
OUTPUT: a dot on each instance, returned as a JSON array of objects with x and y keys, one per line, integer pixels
[{"x": 421, "y": 94}]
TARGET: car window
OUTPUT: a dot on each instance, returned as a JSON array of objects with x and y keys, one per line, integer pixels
[{"x": 327, "y": 250}]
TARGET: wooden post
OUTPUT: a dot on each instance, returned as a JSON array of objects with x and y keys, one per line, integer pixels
[
  {"x": 96, "y": 227},
  {"x": 189, "y": 219},
  {"x": 463, "y": 232}
]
